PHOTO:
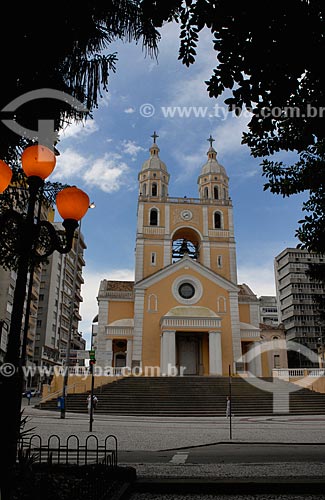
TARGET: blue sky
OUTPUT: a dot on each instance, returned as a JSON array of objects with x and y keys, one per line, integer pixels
[{"x": 104, "y": 155}]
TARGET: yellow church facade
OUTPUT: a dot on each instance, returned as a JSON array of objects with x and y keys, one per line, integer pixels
[{"x": 185, "y": 313}]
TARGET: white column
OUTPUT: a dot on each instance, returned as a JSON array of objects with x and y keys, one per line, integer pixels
[
  {"x": 205, "y": 221},
  {"x": 138, "y": 326},
  {"x": 129, "y": 348},
  {"x": 139, "y": 255},
  {"x": 206, "y": 253},
  {"x": 235, "y": 326},
  {"x": 167, "y": 225},
  {"x": 168, "y": 351},
  {"x": 215, "y": 353},
  {"x": 109, "y": 352},
  {"x": 167, "y": 253}
]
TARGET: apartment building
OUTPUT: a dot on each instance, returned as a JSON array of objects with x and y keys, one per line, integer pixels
[
  {"x": 268, "y": 310},
  {"x": 296, "y": 305},
  {"x": 58, "y": 308}
]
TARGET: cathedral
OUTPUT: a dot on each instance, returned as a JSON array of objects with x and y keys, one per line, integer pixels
[{"x": 185, "y": 313}]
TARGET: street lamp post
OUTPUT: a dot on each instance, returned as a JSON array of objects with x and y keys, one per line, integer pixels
[
  {"x": 71, "y": 312},
  {"x": 37, "y": 162}
]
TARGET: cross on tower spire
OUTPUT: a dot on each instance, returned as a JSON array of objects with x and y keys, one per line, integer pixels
[
  {"x": 211, "y": 140},
  {"x": 154, "y": 136}
]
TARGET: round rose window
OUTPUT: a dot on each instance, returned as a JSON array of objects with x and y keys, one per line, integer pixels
[{"x": 186, "y": 290}]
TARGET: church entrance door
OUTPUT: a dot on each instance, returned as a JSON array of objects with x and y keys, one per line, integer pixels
[{"x": 188, "y": 351}]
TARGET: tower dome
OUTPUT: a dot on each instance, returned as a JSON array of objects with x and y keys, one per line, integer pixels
[
  {"x": 213, "y": 180},
  {"x": 154, "y": 162},
  {"x": 153, "y": 177},
  {"x": 212, "y": 166}
]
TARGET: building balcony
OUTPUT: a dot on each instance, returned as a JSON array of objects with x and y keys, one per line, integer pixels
[{"x": 185, "y": 200}]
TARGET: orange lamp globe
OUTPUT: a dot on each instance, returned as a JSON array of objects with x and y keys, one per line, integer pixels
[
  {"x": 38, "y": 161},
  {"x": 72, "y": 203},
  {"x": 5, "y": 176}
]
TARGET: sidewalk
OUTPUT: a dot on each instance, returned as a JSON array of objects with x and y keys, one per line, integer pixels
[
  {"x": 154, "y": 433},
  {"x": 143, "y": 433}
]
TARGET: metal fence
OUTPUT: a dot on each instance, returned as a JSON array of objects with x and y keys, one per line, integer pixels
[{"x": 54, "y": 450}]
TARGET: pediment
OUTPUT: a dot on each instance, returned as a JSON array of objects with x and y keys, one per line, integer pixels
[{"x": 187, "y": 264}]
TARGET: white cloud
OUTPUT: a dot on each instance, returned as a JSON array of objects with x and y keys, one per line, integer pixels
[
  {"x": 89, "y": 291},
  {"x": 79, "y": 130},
  {"x": 69, "y": 164},
  {"x": 131, "y": 148},
  {"x": 228, "y": 135},
  {"x": 259, "y": 278},
  {"x": 107, "y": 173},
  {"x": 129, "y": 110}
]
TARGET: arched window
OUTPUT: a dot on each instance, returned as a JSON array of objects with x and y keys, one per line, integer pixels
[
  {"x": 154, "y": 189},
  {"x": 217, "y": 221},
  {"x": 144, "y": 189},
  {"x": 225, "y": 193},
  {"x": 153, "y": 217},
  {"x": 206, "y": 193},
  {"x": 215, "y": 192}
]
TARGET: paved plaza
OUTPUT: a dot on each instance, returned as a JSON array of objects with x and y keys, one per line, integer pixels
[{"x": 166, "y": 441}]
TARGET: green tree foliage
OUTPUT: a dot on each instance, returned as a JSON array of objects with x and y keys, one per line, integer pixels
[
  {"x": 269, "y": 58},
  {"x": 62, "y": 48}
]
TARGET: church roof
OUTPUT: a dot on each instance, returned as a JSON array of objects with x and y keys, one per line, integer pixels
[
  {"x": 265, "y": 326},
  {"x": 125, "y": 286},
  {"x": 248, "y": 326},
  {"x": 192, "y": 311},
  {"x": 245, "y": 290},
  {"x": 125, "y": 322}
]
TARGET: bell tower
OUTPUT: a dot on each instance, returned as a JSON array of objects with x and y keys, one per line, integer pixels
[
  {"x": 153, "y": 178},
  {"x": 152, "y": 226},
  {"x": 218, "y": 245},
  {"x": 169, "y": 228}
]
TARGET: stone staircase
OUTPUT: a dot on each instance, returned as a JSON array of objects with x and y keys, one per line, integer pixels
[{"x": 193, "y": 397}]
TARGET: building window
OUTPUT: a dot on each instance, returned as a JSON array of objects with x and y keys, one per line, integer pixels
[
  {"x": 276, "y": 361},
  {"x": 206, "y": 193},
  {"x": 154, "y": 190},
  {"x": 153, "y": 217},
  {"x": 219, "y": 260},
  {"x": 215, "y": 192},
  {"x": 217, "y": 221},
  {"x": 163, "y": 191},
  {"x": 153, "y": 258},
  {"x": 186, "y": 290},
  {"x": 144, "y": 189}
]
